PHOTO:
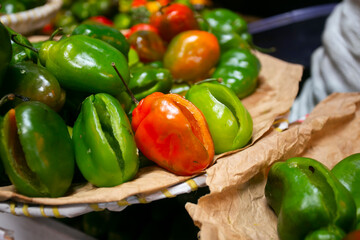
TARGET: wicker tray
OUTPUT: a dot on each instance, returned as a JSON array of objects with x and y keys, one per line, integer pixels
[{"x": 28, "y": 21}]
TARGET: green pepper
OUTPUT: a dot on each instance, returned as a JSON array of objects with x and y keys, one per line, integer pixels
[
  {"x": 229, "y": 40},
  {"x": 328, "y": 233},
  {"x": 83, "y": 9},
  {"x": 36, "y": 150},
  {"x": 105, "y": 147},
  {"x": 5, "y": 51},
  {"x": 180, "y": 88},
  {"x": 229, "y": 122},
  {"x": 21, "y": 53},
  {"x": 348, "y": 173},
  {"x": 108, "y": 34},
  {"x": 82, "y": 63},
  {"x": 146, "y": 80},
  {"x": 307, "y": 197},
  {"x": 35, "y": 82},
  {"x": 225, "y": 20},
  {"x": 122, "y": 21},
  {"x": 238, "y": 69}
]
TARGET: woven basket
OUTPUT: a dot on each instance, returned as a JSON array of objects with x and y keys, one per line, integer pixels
[{"x": 28, "y": 21}]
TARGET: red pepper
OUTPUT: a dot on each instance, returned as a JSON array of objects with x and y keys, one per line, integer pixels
[
  {"x": 101, "y": 20},
  {"x": 174, "y": 19},
  {"x": 138, "y": 3},
  {"x": 141, "y": 27},
  {"x": 173, "y": 133}
]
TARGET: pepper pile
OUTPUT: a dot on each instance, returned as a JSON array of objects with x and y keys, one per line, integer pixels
[
  {"x": 70, "y": 109},
  {"x": 313, "y": 202}
]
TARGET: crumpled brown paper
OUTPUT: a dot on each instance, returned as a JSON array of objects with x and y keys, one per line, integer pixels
[
  {"x": 278, "y": 86},
  {"x": 236, "y": 207}
]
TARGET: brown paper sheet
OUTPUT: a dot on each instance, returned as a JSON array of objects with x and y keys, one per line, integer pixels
[
  {"x": 236, "y": 207},
  {"x": 277, "y": 90}
]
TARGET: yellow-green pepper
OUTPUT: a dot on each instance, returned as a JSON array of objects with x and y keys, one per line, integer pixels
[
  {"x": 104, "y": 143},
  {"x": 229, "y": 122}
]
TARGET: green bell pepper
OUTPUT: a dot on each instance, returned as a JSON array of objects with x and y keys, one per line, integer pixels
[
  {"x": 307, "y": 197},
  {"x": 36, "y": 150},
  {"x": 108, "y": 34},
  {"x": 225, "y": 20},
  {"x": 146, "y": 80},
  {"x": 5, "y": 51},
  {"x": 348, "y": 173},
  {"x": 35, "y": 82},
  {"x": 230, "y": 40},
  {"x": 229, "y": 122},
  {"x": 21, "y": 53},
  {"x": 82, "y": 63},
  {"x": 238, "y": 69},
  {"x": 105, "y": 147},
  {"x": 328, "y": 233}
]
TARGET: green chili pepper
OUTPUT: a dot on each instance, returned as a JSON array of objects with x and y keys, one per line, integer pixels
[
  {"x": 36, "y": 150},
  {"x": 348, "y": 173},
  {"x": 104, "y": 143},
  {"x": 146, "y": 80},
  {"x": 239, "y": 69},
  {"x": 229, "y": 40},
  {"x": 225, "y": 20},
  {"x": 108, "y": 34},
  {"x": 328, "y": 233},
  {"x": 307, "y": 197},
  {"x": 229, "y": 122},
  {"x": 180, "y": 88},
  {"x": 21, "y": 53},
  {"x": 82, "y": 63},
  {"x": 35, "y": 82},
  {"x": 5, "y": 51}
]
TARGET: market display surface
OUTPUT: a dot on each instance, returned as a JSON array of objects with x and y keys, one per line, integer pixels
[{"x": 163, "y": 99}]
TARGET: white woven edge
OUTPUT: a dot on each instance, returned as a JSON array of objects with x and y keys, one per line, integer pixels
[
  {"x": 32, "y": 19},
  {"x": 72, "y": 210}
]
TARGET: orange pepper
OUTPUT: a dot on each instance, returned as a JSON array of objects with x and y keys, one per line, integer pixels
[{"x": 173, "y": 133}]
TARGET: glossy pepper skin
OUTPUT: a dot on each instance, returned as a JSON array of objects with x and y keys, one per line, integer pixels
[
  {"x": 147, "y": 79},
  {"x": 229, "y": 122},
  {"x": 191, "y": 55},
  {"x": 225, "y": 20},
  {"x": 239, "y": 70},
  {"x": 348, "y": 173},
  {"x": 230, "y": 40},
  {"x": 5, "y": 51},
  {"x": 105, "y": 148},
  {"x": 82, "y": 63},
  {"x": 307, "y": 197},
  {"x": 174, "y": 19},
  {"x": 173, "y": 133},
  {"x": 37, "y": 151},
  {"x": 35, "y": 82},
  {"x": 108, "y": 34},
  {"x": 20, "y": 53}
]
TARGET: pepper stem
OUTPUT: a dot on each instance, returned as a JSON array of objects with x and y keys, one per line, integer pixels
[
  {"x": 13, "y": 38},
  {"x": 127, "y": 87},
  {"x": 11, "y": 97},
  {"x": 219, "y": 80},
  {"x": 56, "y": 32}
]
